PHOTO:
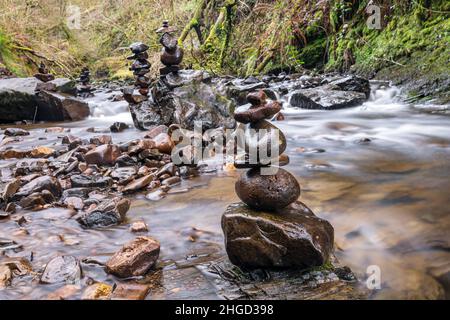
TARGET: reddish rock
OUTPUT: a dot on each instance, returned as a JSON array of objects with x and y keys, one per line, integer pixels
[
  {"x": 103, "y": 155},
  {"x": 135, "y": 258},
  {"x": 144, "y": 144},
  {"x": 99, "y": 140},
  {"x": 164, "y": 143},
  {"x": 152, "y": 133},
  {"x": 138, "y": 184},
  {"x": 130, "y": 291}
]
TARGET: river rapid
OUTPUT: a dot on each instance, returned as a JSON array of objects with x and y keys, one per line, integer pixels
[{"x": 379, "y": 172}]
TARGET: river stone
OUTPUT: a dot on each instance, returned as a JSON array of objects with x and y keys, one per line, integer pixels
[
  {"x": 138, "y": 184},
  {"x": 15, "y": 132},
  {"x": 61, "y": 107},
  {"x": 164, "y": 143},
  {"x": 64, "y": 85},
  {"x": 124, "y": 174},
  {"x": 10, "y": 189},
  {"x": 109, "y": 212},
  {"x": 62, "y": 269},
  {"x": 353, "y": 83},
  {"x": 326, "y": 98},
  {"x": 100, "y": 140},
  {"x": 83, "y": 181},
  {"x": 97, "y": 291},
  {"x": 256, "y": 140},
  {"x": 118, "y": 127},
  {"x": 267, "y": 192},
  {"x": 106, "y": 154},
  {"x": 292, "y": 237},
  {"x": 194, "y": 100},
  {"x": 257, "y": 113},
  {"x": 39, "y": 184},
  {"x": 135, "y": 258}
]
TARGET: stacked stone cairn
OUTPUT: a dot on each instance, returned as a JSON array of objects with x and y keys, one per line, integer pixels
[
  {"x": 172, "y": 54},
  {"x": 84, "y": 89},
  {"x": 43, "y": 74},
  {"x": 270, "y": 228},
  {"x": 140, "y": 67}
]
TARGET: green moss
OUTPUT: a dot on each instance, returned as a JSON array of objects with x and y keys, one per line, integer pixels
[{"x": 314, "y": 53}]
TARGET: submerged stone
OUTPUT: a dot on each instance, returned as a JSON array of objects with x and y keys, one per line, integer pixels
[
  {"x": 135, "y": 258},
  {"x": 62, "y": 269}
]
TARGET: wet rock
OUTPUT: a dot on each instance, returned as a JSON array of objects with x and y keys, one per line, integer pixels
[
  {"x": 17, "y": 99},
  {"x": 352, "y": 83},
  {"x": 13, "y": 154},
  {"x": 272, "y": 138},
  {"x": 141, "y": 145},
  {"x": 103, "y": 155},
  {"x": 10, "y": 208},
  {"x": 64, "y": 293},
  {"x": 130, "y": 291},
  {"x": 64, "y": 85},
  {"x": 139, "y": 226},
  {"x": 326, "y": 98},
  {"x": 164, "y": 143},
  {"x": 99, "y": 140},
  {"x": 135, "y": 258},
  {"x": 97, "y": 291},
  {"x": 267, "y": 192},
  {"x": 138, "y": 184},
  {"x": 40, "y": 184},
  {"x": 239, "y": 90},
  {"x": 155, "y": 131},
  {"x": 118, "y": 127},
  {"x": 254, "y": 114},
  {"x": 83, "y": 181},
  {"x": 4, "y": 215},
  {"x": 292, "y": 237},
  {"x": 74, "y": 202},
  {"x": 62, "y": 269},
  {"x": 18, "y": 266},
  {"x": 42, "y": 152},
  {"x": 109, "y": 212},
  {"x": 169, "y": 168},
  {"x": 193, "y": 101},
  {"x": 15, "y": 132},
  {"x": 123, "y": 174},
  {"x": 54, "y": 130},
  {"x": 45, "y": 86},
  {"x": 125, "y": 161},
  {"x": 10, "y": 189},
  {"x": 171, "y": 181},
  {"x": 5, "y": 276},
  {"x": 72, "y": 141},
  {"x": 57, "y": 107},
  {"x": 76, "y": 192},
  {"x": 37, "y": 200}
]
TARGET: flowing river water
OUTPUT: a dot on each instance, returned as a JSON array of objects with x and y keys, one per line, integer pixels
[{"x": 380, "y": 173}]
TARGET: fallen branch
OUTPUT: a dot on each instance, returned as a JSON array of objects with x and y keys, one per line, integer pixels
[{"x": 194, "y": 23}]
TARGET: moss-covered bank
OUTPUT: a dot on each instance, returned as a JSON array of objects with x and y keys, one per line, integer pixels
[{"x": 238, "y": 37}]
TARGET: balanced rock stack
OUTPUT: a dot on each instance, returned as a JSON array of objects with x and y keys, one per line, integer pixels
[
  {"x": 270, "y": 228},
  {"x": 140, "y": 67},
  {"x": 43, "y": 74},
  {"x": 84, "y": 89},
  {"x": 172, "y": 54}
]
